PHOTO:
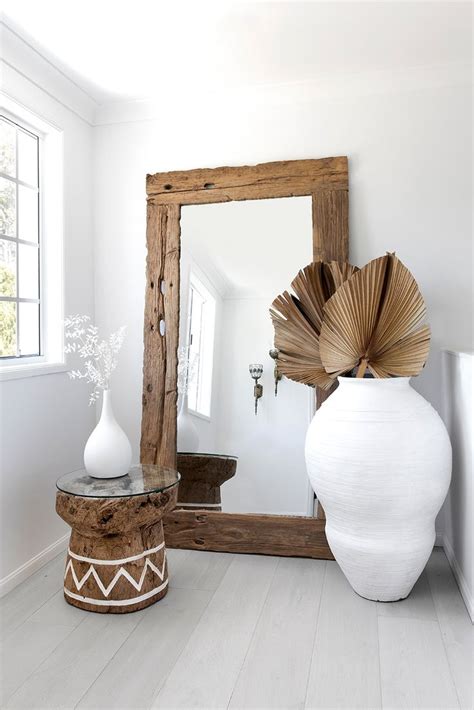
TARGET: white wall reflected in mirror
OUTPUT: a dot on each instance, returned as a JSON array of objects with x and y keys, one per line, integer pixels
[{"x": 235, "y": 258}]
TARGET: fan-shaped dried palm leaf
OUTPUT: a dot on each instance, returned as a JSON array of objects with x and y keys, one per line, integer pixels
[
  {"x": 297, "y": 321},
  {"x": 373, "y": 320}
]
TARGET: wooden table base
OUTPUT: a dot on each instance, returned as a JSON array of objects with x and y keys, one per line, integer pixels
[
  {"x": 202, "y": 476},
  {"x": 116, "y": 560}
]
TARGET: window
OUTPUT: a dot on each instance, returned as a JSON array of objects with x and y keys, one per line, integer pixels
[
  {"x": 202, "y": 317},
  {"x": 20, "y": 290},
  {"x": 31, "y": 244}
]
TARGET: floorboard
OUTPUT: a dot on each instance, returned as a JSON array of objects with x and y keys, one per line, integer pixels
[
  {"x": 201, "y": 570},
  {"x": 67, "y": 673},
  {"x": 206, "y": 672},
  {"x": 414, "y": 668},
  {"x": 29, "y": 645},
  {"x": 176, "y": 558},
  {"x": 275, "y": 671},
  {"x": 138, "y": 670},
  {"x": 19, "y": 604},
  {"x": 345, "y": 664},
  {"x": 418, "y": 605},
  {"x": 455, "y": 624}
]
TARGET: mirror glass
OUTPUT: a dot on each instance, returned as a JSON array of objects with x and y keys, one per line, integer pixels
[{"x": 238, "y": 453}]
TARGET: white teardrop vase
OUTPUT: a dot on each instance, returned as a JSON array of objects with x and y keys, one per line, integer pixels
[
  {"x": 108, "y": 453},
  {"x": 188, "y": 436},
  {"x": 379, "y": 460}
]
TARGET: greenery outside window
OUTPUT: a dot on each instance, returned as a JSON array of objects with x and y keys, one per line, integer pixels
[{"x": 20, "y": 241}]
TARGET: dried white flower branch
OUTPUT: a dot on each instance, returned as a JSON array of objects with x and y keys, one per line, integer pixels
[{"x": 100, "y": 355}]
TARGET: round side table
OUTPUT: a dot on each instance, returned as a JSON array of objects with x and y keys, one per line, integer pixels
[
  {"x": 116, "y": 561},
  {"x": 202, "y": 476}
]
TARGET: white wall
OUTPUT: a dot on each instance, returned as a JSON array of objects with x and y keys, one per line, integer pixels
[
  {"x": 271, "y": 473},
  {"x": 45, "y": 420},
  {"x": 458, "y": 524},
  {"x": 410, "y": 191}
]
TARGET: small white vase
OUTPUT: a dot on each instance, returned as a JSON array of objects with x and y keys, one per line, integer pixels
[
  {"x": 108, "y": 453},
  {"x": 379, "y": 460},
  {"x": 188, "y": 436}
]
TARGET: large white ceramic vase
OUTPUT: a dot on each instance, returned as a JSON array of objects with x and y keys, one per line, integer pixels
[
  {"x": 108, "y": 453},
  {"x": 379, "y": 460}
]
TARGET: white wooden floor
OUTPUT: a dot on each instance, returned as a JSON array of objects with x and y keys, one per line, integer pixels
[{"x": 240, "y": 631}]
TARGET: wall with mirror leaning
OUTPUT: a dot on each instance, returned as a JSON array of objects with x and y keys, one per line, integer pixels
[{"x": 391, "y": 207}]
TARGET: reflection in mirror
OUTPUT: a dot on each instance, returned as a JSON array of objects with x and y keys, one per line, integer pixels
[{"x": 235, "y": 259}]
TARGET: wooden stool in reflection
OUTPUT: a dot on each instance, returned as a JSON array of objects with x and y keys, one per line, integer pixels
[{"x": 201, "y": 478}]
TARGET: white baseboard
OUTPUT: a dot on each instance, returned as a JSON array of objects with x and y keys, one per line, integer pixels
[
  {"x": 26, "y": 570},
  {"x": 459, "y": 577}
]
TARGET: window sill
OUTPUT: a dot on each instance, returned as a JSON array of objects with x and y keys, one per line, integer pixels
[
  {"x": 34, "y": 369},
  {"x": 199, "y": 415}
]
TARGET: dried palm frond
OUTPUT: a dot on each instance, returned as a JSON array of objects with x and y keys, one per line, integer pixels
[
  {"x": 373, "y": 321},
  {"x": 297, "y": 321}
]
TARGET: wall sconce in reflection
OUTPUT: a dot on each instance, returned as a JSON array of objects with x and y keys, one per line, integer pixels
[
  {"x": 256, "y": 371},
  {"x": 274, "y": 352}
]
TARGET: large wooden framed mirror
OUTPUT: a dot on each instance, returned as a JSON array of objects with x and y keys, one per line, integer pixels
[{"x": 222, "y": 243}]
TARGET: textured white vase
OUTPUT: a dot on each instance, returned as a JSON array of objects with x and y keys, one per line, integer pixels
[
  {"x": 188, "y": 436},
  {"x": 379, "y": 460},
  {"x": 108, "y": 453}
]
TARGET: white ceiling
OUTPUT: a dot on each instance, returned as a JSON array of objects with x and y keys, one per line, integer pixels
[{"x": 118, "y": 50}]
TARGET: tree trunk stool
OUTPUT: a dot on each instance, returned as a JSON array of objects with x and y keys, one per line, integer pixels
[
  {"x": 116, "y": 560},
  {"x": 201, "y": 478}
]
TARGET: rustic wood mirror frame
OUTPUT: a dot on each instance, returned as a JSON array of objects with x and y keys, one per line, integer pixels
[{"x": 326, "y": 181}]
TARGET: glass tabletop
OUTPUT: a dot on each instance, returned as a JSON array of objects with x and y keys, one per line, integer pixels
[{"x": 140, "y": 480}]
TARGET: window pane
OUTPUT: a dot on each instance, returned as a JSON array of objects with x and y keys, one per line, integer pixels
[
  {"x": 7, "y": 207},
  {"x": 7, "y": 329},
  {"x": 206, "y": 357},
  {"x": 28, "y": 214},
  {"x": 7, "y": 268},
  {"x": 201, "y": 345},
  {"x": 195, "y": 316},
  {"x": 7, "y": 148},
  {"x": 27, "y": 158},
  {"x": 29, "y": 329},
  {"x": 28, "y": 271}
]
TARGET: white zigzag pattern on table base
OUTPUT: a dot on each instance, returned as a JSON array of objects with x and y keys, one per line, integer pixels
[
  {"x": 116, "y": 602},
  {"x": 121, "y": 573}
]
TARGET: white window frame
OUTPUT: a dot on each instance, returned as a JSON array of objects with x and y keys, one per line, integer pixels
[
  {"x": 18, "y": 238},
  {"x": 52, "y": 357},
  {"x": 198, "y": 283}
]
